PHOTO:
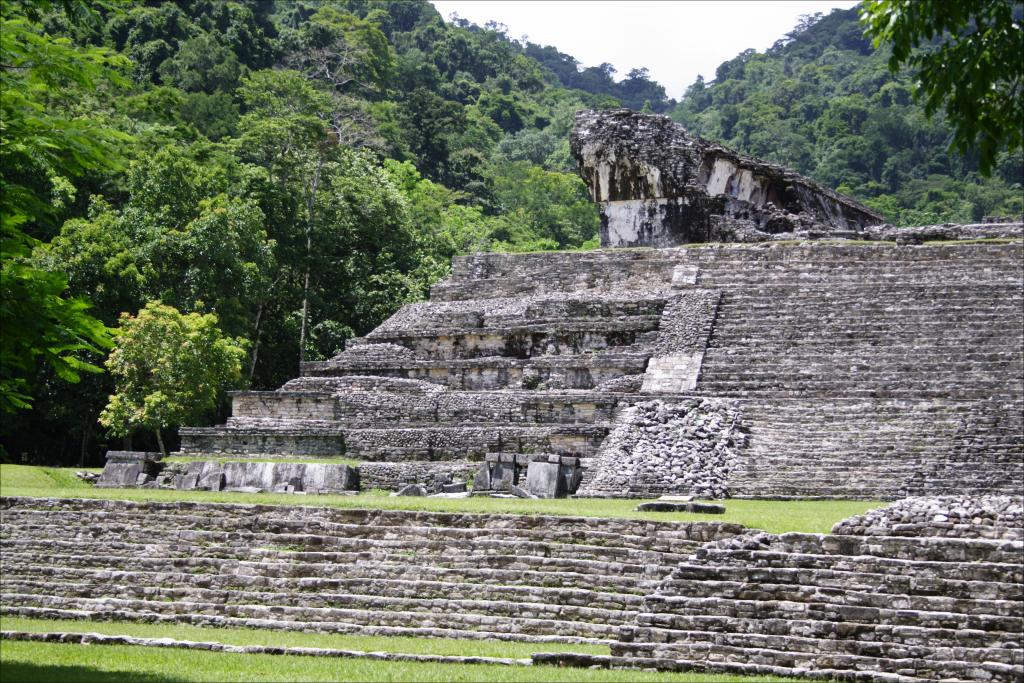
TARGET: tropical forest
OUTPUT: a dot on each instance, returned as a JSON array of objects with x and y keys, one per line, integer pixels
[{"x": 258, "y": 182}]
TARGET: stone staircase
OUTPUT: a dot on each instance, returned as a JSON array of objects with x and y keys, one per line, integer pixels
[
  {"x": 533, "y": 363},
  {"x": 842, "y": 607},
  {"x": 302, "y": 568},
  {"x": 863, "y": 370}
]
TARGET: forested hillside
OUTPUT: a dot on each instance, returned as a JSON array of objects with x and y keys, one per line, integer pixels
[
  {"x": 822, "y": 101},
  {"x": 302, "y": 169}
]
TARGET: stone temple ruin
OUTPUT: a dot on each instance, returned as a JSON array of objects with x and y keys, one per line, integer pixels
[
  {"x": 835, "y": 368},
  {"x": 783, "y": 361}
]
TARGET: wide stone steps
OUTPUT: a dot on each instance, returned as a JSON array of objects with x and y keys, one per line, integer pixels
[
  {"x": 633, "y": 533},
  {"x": 583, "y": 371},
  {"x": 141, "y": 609},
  {"x": 211, "y": 571},
  {"x": 462, "y": 442},
  {"x": 218, "y": 621},
  {"x": 33, "y": 577},
  {"x": 1009, "y": 571},
  {"x": 925, "y": 663},
  {"x": 926, "y": 608},
  {"x": 1001, "y": 627},
  {"x": 359, "y": 408},
  {"x": 306, "y": 547},
  {"x": 895, "y": 276},
  {"x": 230, "y": 600},
  {"x": 890, "y": 583},
  {"x": 384, "y": 572},
  {"x": 842, "y": 595}
]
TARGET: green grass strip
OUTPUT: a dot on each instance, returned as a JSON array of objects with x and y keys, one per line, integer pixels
[
  {"x": 46, "y": 662},
  {"x": 276, "y": 638},
  {"x": 808, "y": 516}
]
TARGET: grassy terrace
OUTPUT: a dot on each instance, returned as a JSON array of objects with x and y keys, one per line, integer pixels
[
  {"x": 48, "y": 662},
  {"x": 811, "y": 516},
  {"x": 72, "y": 663}
]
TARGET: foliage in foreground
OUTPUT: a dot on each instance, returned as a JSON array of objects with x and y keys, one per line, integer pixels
[
  {"x": 807, "y": 516},
  {"x": 169, "y": 368},
  {"x": 972, "y": 69}
]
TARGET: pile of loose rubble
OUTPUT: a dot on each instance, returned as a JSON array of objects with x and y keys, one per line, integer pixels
[
  {"x": 960, "y": 516},
  {"x": 688, "y": 446}
]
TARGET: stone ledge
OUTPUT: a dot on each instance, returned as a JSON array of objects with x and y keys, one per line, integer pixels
[{"x": 210, "y": 646}]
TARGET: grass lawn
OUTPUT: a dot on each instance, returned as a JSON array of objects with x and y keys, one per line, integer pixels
[
  {"x": 811, "y": 516},
  {"x": 275, "y": 638},
  {"x": 47, "y": 662}
]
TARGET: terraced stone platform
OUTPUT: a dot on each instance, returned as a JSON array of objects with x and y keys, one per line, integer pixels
[
  {"x": 858, "y": 370},
  {"x": 883, "y": 598},
  {"x": 303, "y": 568},
  {"x": 846, "y": 607}
]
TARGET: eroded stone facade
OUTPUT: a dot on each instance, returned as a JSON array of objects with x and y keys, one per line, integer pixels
[{"x": 658, "y": 185}]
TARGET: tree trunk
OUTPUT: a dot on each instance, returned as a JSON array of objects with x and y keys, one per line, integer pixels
[
  {"x": 84, "y": 446},
  {"x": 305, "y": 308},
  {"x": 314, "y": 185},
  {"x": 255, "y": 345},
  {"x": 160, "y": 440}
]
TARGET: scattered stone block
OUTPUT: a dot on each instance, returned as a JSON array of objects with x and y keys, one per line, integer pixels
[
  {"x": 482, "y": 478},
  {"x": 411, "y": 490},
  {"x": 670, "y": 506},
  {"x": 519, "y": 492},
  {"x": 213, "y": 481},
  {"x": 459, "y": 487},
  {"x": 543, "y": 480},
  {"x": 186, "y": 482}
]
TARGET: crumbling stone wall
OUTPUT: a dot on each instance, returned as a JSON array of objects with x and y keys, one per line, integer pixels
[
  {"x": 688, "y": 446},
  {"x": 955, "y": 516},
  {"x": 657, "y": 185}
]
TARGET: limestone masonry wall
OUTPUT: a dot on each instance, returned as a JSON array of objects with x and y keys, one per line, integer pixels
[
  {"x": 853, "y": 370},
  {"x": 658, "y": 185},
  {"x": 876, "y": 607},
  {"x": 521, "y": 577}
]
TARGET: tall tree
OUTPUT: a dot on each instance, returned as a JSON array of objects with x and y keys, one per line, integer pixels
[
  {"x": 45, "y": 141},
  {"x": 169, "y": 369},
  {"x": 969, "y": 61}
]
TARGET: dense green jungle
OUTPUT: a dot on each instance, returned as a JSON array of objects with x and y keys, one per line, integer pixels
[{"x": 303, "y": 169}]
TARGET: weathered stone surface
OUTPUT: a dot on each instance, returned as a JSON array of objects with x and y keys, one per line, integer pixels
[
  {"x": 658, "y": 185},
  {"x": 679, "y": 506},
  {"x": 689, "y": 446},
  {"x": 951, "y": 516},
  {"x": 871, "y": 608},
  {"x": 857, "y": 371},
  {"x": 543, "y": 480},
  {"x": 412, "y": 490}
]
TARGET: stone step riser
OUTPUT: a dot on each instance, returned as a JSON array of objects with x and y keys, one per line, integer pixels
[
  {"x": 533, "y": 625},
  {"x": 925, "y": 649},
  {"x": 365, "y": 407},
  {"x": 33, "y": 579},
  {"x": 676, "y": 614},
  {"x": 442, "y": 344},
  {"x": 207, "y": 572},
  {"x": 914, "y": 667},
  {"x": 302, "y": 547},
  {"x": 840, "y": 595},
  {"x": 364, "y": 603},
  {"x": 833, "y": 579}
]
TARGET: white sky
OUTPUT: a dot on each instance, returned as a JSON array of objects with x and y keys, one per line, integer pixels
[{"x": 675, "y": 40}]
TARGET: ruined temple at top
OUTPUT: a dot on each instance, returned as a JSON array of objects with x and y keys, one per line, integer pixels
[
  {"x": 767, "y": 363},
  {"x": 658, "y": 185}
]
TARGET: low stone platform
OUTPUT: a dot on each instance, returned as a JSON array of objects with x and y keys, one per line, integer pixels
[{"x": 512, "y": 577}]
